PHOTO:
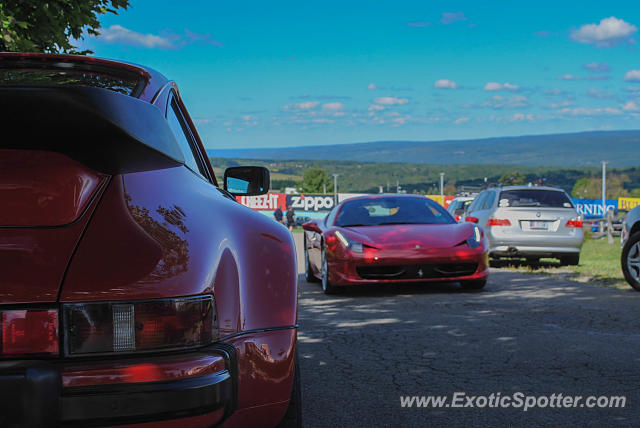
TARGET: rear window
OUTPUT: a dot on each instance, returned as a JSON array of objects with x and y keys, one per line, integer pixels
[
  {"x": 25, "y": 77},
  {"x": 534, "y": 198}
]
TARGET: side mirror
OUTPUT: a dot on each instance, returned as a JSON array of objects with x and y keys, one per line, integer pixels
[
  {"x": 246, "y": 180},
  {"x": 471, "y": 219},
  {"x": 312, "y": 226}
]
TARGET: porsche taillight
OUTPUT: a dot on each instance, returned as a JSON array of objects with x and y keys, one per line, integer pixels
[
  {"x": 28, "y": 332},
  {"x": 124, "y": 327}
]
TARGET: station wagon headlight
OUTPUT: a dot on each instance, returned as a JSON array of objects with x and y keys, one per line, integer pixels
[
  {"x": 349, "y": 243},
  {"x": 475, "y": 240}
]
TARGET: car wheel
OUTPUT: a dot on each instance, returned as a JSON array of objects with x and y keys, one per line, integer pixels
[
  {"x": 533, "y": 260},
  {"x": 571, "y": 260},
  {"x": 474, "y": 285},
  {"x": 326, "y": 284},
  {"x": 293, "y": 417},
  {"x": 308, "y": 273},
  {"x": 631, "y": 261}
]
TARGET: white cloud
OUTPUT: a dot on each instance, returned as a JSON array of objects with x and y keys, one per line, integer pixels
[
  {"x": 451, "y": 17},
  {"x": 596, "y": 67},
  {"x": 307, "y": 105},
  {"x": 518, "y": 117},
  {"x": 119, "y": 34},
  {"x": 495, "y": 86},
  {"x": 376, "y": 107},
  {"x": 629, "y": 106},
  {"x": 498, "y": 102},
  {"x": 569, "y": 77},
  {"x": 581, "y": 111},
  {"x": 332, "y": 106},
  {"x": 372, "y": 86},
  {"x": 607, "y": 33},
  {"x": 445, "y": 84},
  {"x": 460, "y": 120},
  {"x": 632, "y": 76},
  {"x": 390, "y": 101}
]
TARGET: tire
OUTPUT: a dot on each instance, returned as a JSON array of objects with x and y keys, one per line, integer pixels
[
  {"x": 533, "y": 260},
  {"x": 630, "y": 261},
  {"x": 308, "y": 273},
  {"x": 293, "y": 417},
  {"x": 327, "y": 288},
  {"x": 477, "y": 284},
  {"x": 570, "y": 260}
]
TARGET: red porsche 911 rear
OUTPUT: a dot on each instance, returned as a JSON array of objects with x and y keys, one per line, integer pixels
[
  {"x": 394, "y": 238},
  {"x": 133, "y": 289}
]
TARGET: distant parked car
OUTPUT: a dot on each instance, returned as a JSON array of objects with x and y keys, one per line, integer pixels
[
  {"x": 630, "y": 239},
  {"x": 458, "y": 206},
  {"x": 529, "y": 222},
  {"x": 390, "y": 239}
]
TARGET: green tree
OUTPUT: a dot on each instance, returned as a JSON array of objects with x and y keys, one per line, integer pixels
[
  {"x": 512, "y": 179},
  {"x": 591, "y": 187},
  {"x": 49, "y": 26},
  {"x": 313, "y": 180}
]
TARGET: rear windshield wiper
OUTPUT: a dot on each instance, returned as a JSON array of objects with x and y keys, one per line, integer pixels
[{"x": 353, "y": 225}]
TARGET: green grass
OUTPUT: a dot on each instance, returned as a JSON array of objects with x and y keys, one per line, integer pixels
[{"x": 599, "y": 264}]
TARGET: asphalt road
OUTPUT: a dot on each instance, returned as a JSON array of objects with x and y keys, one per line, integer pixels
[{"x": 537, "y": 335}]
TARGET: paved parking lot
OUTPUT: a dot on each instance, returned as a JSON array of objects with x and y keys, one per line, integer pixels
[{"x": 537, "y": 335}]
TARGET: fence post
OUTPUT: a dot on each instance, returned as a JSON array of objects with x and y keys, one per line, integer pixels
[{"x": 610, "y": 226}]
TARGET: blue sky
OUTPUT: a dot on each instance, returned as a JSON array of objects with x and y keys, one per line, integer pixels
[{"x": 272, "y": 74}]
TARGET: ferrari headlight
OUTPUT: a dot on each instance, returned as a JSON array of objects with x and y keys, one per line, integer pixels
[
  {"x": 354, "y": 246},
  {"x": 475, "y": 240}
]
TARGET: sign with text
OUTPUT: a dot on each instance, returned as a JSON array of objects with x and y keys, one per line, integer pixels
[
  {"x": 312, "y": 203},
  {"x": 592, "y": 208},
  {"x": 627, "y": 204},
  {"x": 270, "y": 201}
]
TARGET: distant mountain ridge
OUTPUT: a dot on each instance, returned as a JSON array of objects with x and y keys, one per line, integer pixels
[{"x": 620, "y": 148}]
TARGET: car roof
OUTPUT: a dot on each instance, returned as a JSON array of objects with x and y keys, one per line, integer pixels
[
  {"x": 384, "y": 195},
  {"x": 524, "y": 187},
  {"x": 153, "y": 81}
]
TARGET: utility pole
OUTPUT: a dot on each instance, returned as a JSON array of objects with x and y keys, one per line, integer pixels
[
  {"x": 335, "y": 189},
  {"x": 442, "y": 189},
  {"x": 604, "y": 188},
  {"x": 324, "y": 188}
]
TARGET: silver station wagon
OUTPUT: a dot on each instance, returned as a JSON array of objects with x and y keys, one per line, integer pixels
[{"x": 529, "y": 222}]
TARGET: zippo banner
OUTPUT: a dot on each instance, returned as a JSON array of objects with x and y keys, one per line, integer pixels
[
  {"x": 592, "y": 208},
  {"x": 311, "y": 203}
]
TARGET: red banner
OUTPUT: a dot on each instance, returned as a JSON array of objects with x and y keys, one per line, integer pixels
[{"x": 268, "y": 202}]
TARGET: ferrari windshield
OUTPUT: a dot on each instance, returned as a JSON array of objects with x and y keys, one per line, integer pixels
[{"x": 392, "y": 210}]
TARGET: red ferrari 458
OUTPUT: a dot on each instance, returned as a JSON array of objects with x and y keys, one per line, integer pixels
[
  {"x": 393, "y": 238},
  {"x": 133, "y": 288}
]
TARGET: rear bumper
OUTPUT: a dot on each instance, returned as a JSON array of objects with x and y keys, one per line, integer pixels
[
  {"x": 548, "y": 244},
  {"x": 32, "y": 394}
]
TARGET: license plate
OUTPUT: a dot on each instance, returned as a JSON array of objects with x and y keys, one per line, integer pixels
[{"x": 539, "y": 225}]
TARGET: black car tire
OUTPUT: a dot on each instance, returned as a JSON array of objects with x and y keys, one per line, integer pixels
[
  {"x": 293, "y": 417},
  {"x": 327, "y": 288},
  {"x": 570, "y": 260},
  {"x": 632, "y": 242},
  {"x": 477, "y": 284},
  {"x": 308, "y": 273}
]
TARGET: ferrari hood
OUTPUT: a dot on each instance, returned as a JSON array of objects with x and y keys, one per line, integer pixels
[{"x": 411, "y": 235}]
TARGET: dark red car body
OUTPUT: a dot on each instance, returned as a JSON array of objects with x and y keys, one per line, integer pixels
[
  {"x": 98, "y": 206},
  {"x": 393, "y": 253}
]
